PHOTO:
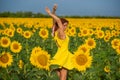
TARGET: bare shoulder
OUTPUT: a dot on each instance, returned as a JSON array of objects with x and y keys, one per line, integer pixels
[{"x": 61, "y": 35}]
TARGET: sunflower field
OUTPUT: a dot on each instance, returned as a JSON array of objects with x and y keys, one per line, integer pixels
[{"x": 27, "y": 46}]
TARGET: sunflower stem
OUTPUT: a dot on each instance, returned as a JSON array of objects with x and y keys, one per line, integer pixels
[
  {"x": 27, "y": 51},
  {"x": 7, "y": 70},
  {"x": 75, "y": 41},
  {"x": 7, "y": 74},
  {"x": 51, "y": 44}
]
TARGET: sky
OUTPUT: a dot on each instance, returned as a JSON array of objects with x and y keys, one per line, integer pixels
[{"x": 65, "y": 7}]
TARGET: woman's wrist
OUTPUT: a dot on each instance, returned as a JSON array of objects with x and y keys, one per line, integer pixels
[{"x": 50, "y": 13}]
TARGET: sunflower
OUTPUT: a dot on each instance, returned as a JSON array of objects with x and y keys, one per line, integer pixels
[
  {"x": 43, "y": 33},
  {"x": 84, "y": 48},
  {"x": 116, "y": 34},
  {"x": 107, "y": 69},
  {"x": 115, "y": 43},
  {"x": 91, "y": 32},
  {"x": 85, "y": 32},
  {"x": 98, "y": 27},
  {"x": 33, "y": 59},
  {"x": 10, "y": 33},
  {"x": 36, "y": 49},
  {"x": 113, "y": 33},
  {"x": 27, "y": 34},
  {"x": 79, "y": 34},
  {"x": 20, "y": 64},
  {"x": 40, "y": 59},
  {"x": 111, "y": 27},
  {"x": 15, "y": 47},
  {"x": 5, "y": 31},
  {"x": 100, "y": 34},
  {"x": 81, "y": 60},
  {"x": 107, "y": 32},
  {"x": 67, "y": 31},
  {"x": 90, "y": 42},
  {"x": 12, "y": 27},
  {"x": 118, "y": 49},
  {"x": 107, "y": 38},
  {"x": 5, "y": 59},
  {"x": 19, "y": 30},
  {"x": 72, "y": 31},
  {"x": 5, "y": 42}
]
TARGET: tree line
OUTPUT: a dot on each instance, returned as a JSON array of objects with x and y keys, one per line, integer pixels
[
  {"x": 22, "y": 14},
  {"x": 29, "y": 14}
]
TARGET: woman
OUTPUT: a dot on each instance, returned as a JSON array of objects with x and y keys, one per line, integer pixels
[{"x": 63, "y": 56}]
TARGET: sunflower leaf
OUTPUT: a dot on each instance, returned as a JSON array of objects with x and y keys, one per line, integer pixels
[{"x": 53, "y": 67}]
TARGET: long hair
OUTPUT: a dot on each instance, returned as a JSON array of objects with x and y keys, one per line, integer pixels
[
  {"x": 63, "y": 21},
  {"x": 55, "y": 27}
]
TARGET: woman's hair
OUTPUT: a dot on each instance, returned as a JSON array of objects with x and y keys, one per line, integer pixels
[{"x": 63, "y": 21}]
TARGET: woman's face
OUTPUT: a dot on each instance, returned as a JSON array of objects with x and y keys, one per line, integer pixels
[{"x": 65, "y": 25}]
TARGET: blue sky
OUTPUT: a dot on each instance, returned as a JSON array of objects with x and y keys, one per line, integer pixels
[{"x": 65, "y": 7}]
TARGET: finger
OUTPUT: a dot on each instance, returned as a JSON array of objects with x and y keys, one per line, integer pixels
[{"x": 55, "y": 5}]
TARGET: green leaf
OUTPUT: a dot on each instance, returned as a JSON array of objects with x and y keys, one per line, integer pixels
[
  {"x": 14, "y": 76},
  {"x": 53, "y": 67}
]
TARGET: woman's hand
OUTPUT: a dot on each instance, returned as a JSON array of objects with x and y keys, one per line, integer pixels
[
  {"x": 47, "y": 10},
  {"x": 54, "y": 7}
]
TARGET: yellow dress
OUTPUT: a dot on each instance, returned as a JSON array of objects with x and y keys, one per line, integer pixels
[{"x": 63, "y": 57}]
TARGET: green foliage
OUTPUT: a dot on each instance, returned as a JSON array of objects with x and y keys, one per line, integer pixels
[
  {"x": 30, "y": 14},
  {"x": 103, "y": 55}
]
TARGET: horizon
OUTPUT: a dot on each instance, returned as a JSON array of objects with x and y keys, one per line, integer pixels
[{"x": 65, "y": 7}]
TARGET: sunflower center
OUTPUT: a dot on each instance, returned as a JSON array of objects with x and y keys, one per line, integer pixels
[
  {"x": 81, "y": 59},
  {"x": 43, "y": 32},
  {"x": 15, "y": 46},
  {"x": 42, "y": 59},
  {"x": 100, "y": 34},
  {"x": 4, "y": 58},
  {"x": 19, "y": 30},
  {"x": 84, "y": 49},
  {"x": 107, "y": 38},
  {"x": 107, "y": 69},
  {"x": 85, "y": 31},
  {"x": 10, "y": 33},
  {"x": 116, "y": 43},
  {"x": 118, "y": 47},
  {"x": 90, "y": 42},
  {"x": 91, "y": 32},
  {"x": 27, "y": 34},
  {"x": 72, "y": 30},
  {"x": 5, "y": 41}
]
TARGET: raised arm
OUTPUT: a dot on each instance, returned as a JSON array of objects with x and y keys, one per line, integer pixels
[
  {"x": 54, "y": 12},
  {"x": 57, "y": 19},
  {"x": 53, "y": 26}
]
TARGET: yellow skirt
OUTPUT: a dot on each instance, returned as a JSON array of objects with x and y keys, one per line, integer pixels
[{"x": 63, "y": 59}]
